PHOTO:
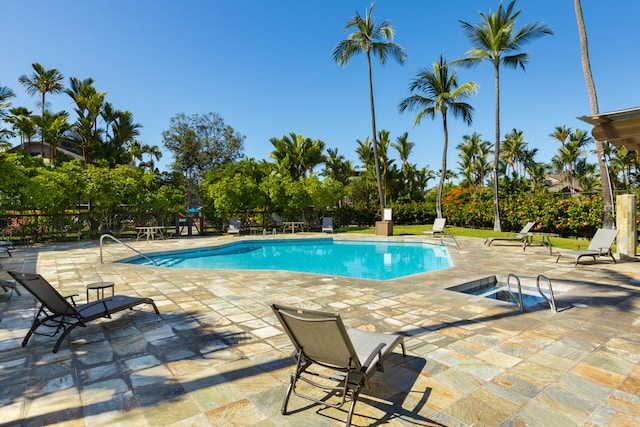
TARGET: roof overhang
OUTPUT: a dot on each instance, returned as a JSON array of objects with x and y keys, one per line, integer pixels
[{"x": 621, "y": 128}]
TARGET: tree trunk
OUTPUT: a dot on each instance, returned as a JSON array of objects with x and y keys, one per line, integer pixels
[
  {"x": 443, "y": 172},
  {"x": 496, "y": 158},
  {"x": 376, "y": 159},
  {"x": 607, "y": 195}
]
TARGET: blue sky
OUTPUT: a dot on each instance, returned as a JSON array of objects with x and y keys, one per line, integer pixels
[{"x": 266, "y": 67}]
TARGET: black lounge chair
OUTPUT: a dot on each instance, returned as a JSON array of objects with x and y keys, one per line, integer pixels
[
  {"x": 9, "y": 287},
  {"x": 62, "y": 313},
  {"x": 350, "y": 355}
]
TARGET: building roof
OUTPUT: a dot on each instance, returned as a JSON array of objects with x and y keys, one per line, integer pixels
[{"x": 621, "y": 128}]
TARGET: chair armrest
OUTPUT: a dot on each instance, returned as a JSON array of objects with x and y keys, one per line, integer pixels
[
  {"x": 71, "y": 298},
  {"x": 376, "y": 352}
]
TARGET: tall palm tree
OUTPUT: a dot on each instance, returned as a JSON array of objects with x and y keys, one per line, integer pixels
[
  {"x": 404, "y": 147},
  {"x": 561, "y": 134},
  {"x": 436, "y": 91},
  {"x": 607, "y": 221},
  {"x": 43, "y": 81},
  {"x": 495, "y": 40},
  {"x": 370, "y": 38},
  {"x": 89, "y": 108}
]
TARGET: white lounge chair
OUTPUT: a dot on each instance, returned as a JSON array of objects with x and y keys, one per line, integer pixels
[
  {"x": 438, "y": 227},
  {"x": 600, "y": 246},
  {"x": 327, "y": 224},
  {"x": 520, "y": 236},
  {"x": 235, "y": 224}
]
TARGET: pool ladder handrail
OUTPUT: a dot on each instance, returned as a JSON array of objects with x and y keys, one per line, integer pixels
[
  {"x": 519, "y": 298},
  {"x": 122, "y": 243},
  {"x": 552, "y": 299}
]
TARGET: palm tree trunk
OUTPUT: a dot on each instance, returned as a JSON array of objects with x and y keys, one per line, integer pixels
[
  {"x": 607, "y": 195},
  {"x": 496, "y": 158},
  {"x": 444, "y": 165},
  {"x": 376, "y": 159}
]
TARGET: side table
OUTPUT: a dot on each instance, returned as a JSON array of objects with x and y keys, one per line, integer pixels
[{"x": 99, "y": 287}]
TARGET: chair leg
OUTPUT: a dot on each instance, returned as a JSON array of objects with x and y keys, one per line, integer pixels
[
  {"x": 63, "y": 335},
  {"x": 354, "y": 399},
  {"x": 283, "y": 411}
]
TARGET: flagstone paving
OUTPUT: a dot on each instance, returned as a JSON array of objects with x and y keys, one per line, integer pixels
[{"x": 217, "y": 356}]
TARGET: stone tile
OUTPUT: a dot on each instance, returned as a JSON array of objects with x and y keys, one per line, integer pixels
[
  {"x": 239, "y": 413},
  {"x": 218, "y": 353}
]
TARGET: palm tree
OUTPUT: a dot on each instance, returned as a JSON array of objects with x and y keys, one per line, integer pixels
[
  {"x": 561, "y": 134},
  {"x": 5, "y": 94},
  {"x": 436, "y": 91},
  {"x": 23, "y": 124},
  {"x": 43, "y": 81},
  {"x": 607, "y": 221},
  {"x": 336, "y": 167},
  {"x": 297, "y": 154},
  {"x": 514, "y": 150},
  {"x": 370, "y": 38},
  {"x": 496, "y": 41},
  {"x": 404, "y": 147},
  {"x": 474, "y": 154},
  {"x": 53, "y": 127}
]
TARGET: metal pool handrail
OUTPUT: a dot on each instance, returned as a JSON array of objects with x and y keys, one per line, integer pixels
[
  {"x": 552, "y": 299},
  {"x": 122, "y": 243},
  {"x": 519, "y": 298}
]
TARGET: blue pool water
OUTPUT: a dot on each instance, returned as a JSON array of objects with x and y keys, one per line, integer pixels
[{"x": 368, "y": 260}]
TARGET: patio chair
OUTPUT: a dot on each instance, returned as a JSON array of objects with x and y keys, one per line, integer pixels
[
  {"x": 62, "y": 313},
  {"x": 520, "y": 236},
  {"x": 600, "y": 246},
  {"x": 327, "y": 224},
  {"x": 438, "y": 227},
  {"x": 342, "y": 359},
  {"x": 9, "y": 287},
  {"x": 6, "y": 246},
  {"x": 235, "y": 224}
]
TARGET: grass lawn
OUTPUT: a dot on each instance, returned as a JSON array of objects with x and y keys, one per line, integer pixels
[{"x": 404, "y": 230}]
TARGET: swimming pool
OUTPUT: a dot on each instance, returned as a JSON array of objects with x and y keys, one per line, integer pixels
[{"x": 380, "y": 260}]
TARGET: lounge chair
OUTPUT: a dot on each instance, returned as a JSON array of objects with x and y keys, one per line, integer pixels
[
  {"x": 438, "y": 227},
  {"x": 235, "y": 224},
  {"x": 600, "y": 246},
  {"x": 6, "y": 247},
  {"x": 345, "y": 358},
  {"x": 327, "y": 224},
  {"x": 520, "y": 236},
  {"x": 62, "y": 313},
  {"x": 9, "y": 287}
]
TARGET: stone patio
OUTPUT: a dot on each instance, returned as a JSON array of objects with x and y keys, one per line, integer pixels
[{"x": 217, "y": 356}]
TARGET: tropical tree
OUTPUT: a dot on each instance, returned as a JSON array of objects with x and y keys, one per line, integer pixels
[
  {"x": 22, "y": 123},
  {"x": 607, "y": 194},
  {"x": 336, "y": 167},
  {"x": 42, "y": 81},
  {"x": 496, "y": 40},
  {"x": 436, "y": 91},
  {"x": 561, "y": 134},
  {"x": 5, "y": 94},
  {"x": 89, "y": 108},
  {"x": 200, "y": 143},
  {"x": 370, "y": 38},
  {"x": 53, "y": 127},
  {"x": 297, "y": 154}
]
